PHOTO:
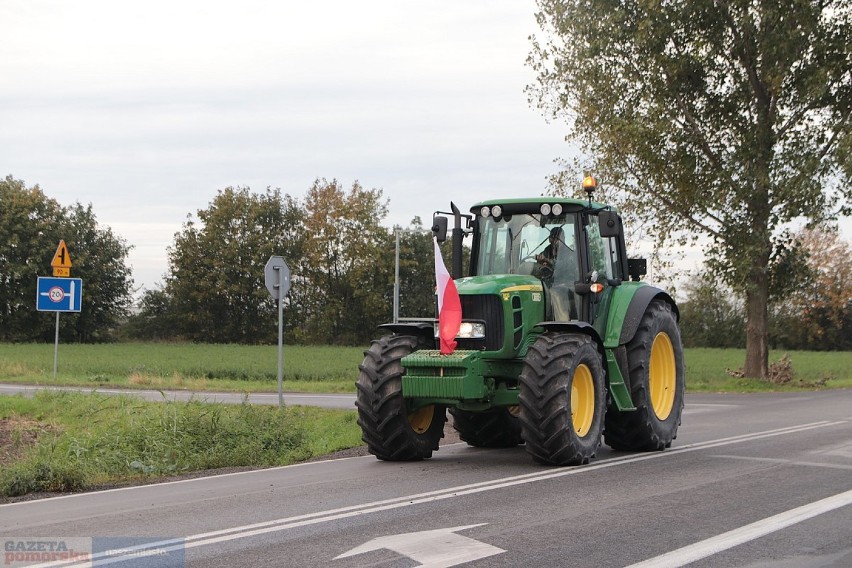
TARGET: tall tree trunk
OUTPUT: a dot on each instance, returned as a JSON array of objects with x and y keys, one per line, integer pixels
[
  {"x": 760, "y": 251},
  {"x": 757, "y": 287},
  {"x": 757, "y": 316}
]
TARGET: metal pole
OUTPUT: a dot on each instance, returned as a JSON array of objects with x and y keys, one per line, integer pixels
[
  {"x": 280, "y": 339},
  {"x": 396, "y": 282},
  {"x": 56, "y": 348}
]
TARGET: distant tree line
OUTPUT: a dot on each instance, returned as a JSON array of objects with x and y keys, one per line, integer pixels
[{"x": 341, "y": 258}]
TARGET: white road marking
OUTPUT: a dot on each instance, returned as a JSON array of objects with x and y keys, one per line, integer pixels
[
  {"x": 844, "y": 452},
  {"x": 736, "y": 537},
  {"x": 785, "y": 462},
  {"x": 704, "y": 407},
  {"x": 245, "y": 531},
  {"x": 439, "y": 548}
]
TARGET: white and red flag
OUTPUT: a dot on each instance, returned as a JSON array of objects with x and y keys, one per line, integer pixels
[{"x": 449, "y": 305}]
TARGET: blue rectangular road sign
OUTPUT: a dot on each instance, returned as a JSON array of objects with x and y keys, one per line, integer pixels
[{"x": 59, "y": 294}]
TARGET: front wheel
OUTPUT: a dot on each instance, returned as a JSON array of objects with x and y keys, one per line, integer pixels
[
  {"x": 393, "y": 429},
  {"x": 655, "y": 362},
  {"x": 562, "y": 398}
]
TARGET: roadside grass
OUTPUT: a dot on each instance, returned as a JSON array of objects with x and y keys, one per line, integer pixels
[
  {"x": 706, "y": 370},
  {"x": 61, "y": 441}
]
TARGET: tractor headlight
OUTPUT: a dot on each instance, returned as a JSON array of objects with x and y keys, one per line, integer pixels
[{"x": 469, "y": 330}]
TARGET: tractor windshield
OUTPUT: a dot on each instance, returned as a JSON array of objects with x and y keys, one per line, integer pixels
[{"x": 532, "y": 244}]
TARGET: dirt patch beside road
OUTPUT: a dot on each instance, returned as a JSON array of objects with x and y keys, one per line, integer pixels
[{"x": 17, "y": 435}]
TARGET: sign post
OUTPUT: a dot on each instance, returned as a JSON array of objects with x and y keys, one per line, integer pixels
[
  {"x": 59, "y": 294},
  {"x": 277, "y": 278}
]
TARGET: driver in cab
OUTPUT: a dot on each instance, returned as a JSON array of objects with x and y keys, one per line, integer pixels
[{"x": 546, "y": 260}]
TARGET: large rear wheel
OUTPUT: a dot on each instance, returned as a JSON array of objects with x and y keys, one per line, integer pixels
[
  {"x": 655, "y": 361},
  {"x": 393, "y": 429},
  {"x": 562, "y": 398},
  {"x": 496, "y": 428}
]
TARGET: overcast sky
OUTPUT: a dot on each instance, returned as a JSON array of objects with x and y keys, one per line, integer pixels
[{"x": 146, "y": 109}]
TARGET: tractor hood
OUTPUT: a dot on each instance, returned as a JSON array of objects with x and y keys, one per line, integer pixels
[{"x": 498, "y": 284}]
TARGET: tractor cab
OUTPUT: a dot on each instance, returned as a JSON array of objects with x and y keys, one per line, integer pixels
[{"x": 542, "y": 241}]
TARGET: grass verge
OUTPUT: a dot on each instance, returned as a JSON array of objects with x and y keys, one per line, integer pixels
[
  {"x": 60, "y": 441},
  {"x": 707, "y": 371}
]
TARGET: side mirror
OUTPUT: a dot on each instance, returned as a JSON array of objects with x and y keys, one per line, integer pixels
[
  {"x": 609, "y": 224},
  {"x": 439, "y": 228},
  {"x": 637, "y": 268}
]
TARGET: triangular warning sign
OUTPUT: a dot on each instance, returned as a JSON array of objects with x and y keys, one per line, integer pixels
[{"x": 61, "y": 259}]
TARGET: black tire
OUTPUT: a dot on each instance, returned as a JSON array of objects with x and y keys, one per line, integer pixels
[
  {"x": 562, "y": 399},
  {"x": 655, "y": 362},
  {"x": 390, "y": 428},
  {"x": 496, "y": 428}
]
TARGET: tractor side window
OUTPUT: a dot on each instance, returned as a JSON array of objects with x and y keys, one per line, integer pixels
[
  {"x": 603, "y": 252},
  {"x": 493, "y": 255}
]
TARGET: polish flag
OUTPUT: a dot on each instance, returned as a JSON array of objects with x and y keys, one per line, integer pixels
[{"x": 449, "y": 305}]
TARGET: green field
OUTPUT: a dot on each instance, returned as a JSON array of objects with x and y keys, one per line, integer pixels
[
  {"x": 252, "y": 368},
  {"x": 237, "y": 368}
]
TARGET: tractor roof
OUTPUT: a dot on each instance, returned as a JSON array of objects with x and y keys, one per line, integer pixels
[{"x": 533, "y": 204}]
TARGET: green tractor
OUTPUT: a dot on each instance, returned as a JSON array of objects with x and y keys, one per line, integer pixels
[{"x": 560, "y": 345}]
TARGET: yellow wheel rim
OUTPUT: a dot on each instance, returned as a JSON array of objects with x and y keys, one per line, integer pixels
[
  {"x": 421, "y": 419},
  {"x": 582, "y": 400},
  {"x": 662, "y": 376}
]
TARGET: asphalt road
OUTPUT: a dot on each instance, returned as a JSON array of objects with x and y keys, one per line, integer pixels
[{"x": 753, "y": 480}]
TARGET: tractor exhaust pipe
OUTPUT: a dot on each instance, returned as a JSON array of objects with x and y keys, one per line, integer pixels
[{"x": 458, "y": 236}]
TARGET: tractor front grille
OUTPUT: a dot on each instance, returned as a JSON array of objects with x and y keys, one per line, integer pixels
[{"x": 487, "y": 308}]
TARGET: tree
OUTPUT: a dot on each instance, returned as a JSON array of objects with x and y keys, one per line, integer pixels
[
  {"x": 99, "y": 257},
  {"x": 154, "y": 320},
  {"x": 817, "y": 314},
  {"x": 27, "y": 242},
  {"x": 724, "y": 118},
  {"x": 215, "y": 280},
  {"x": 712, "y": 315},
  {"x": 31, "y": 226},
  {"x": 416, "y": 271},
  {"x": 347, "y": 263}
]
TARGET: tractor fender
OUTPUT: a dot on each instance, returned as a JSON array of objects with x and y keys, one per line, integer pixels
[
  {"x": 640, "y": 301},
  {"x": 574, "y": 327}
]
